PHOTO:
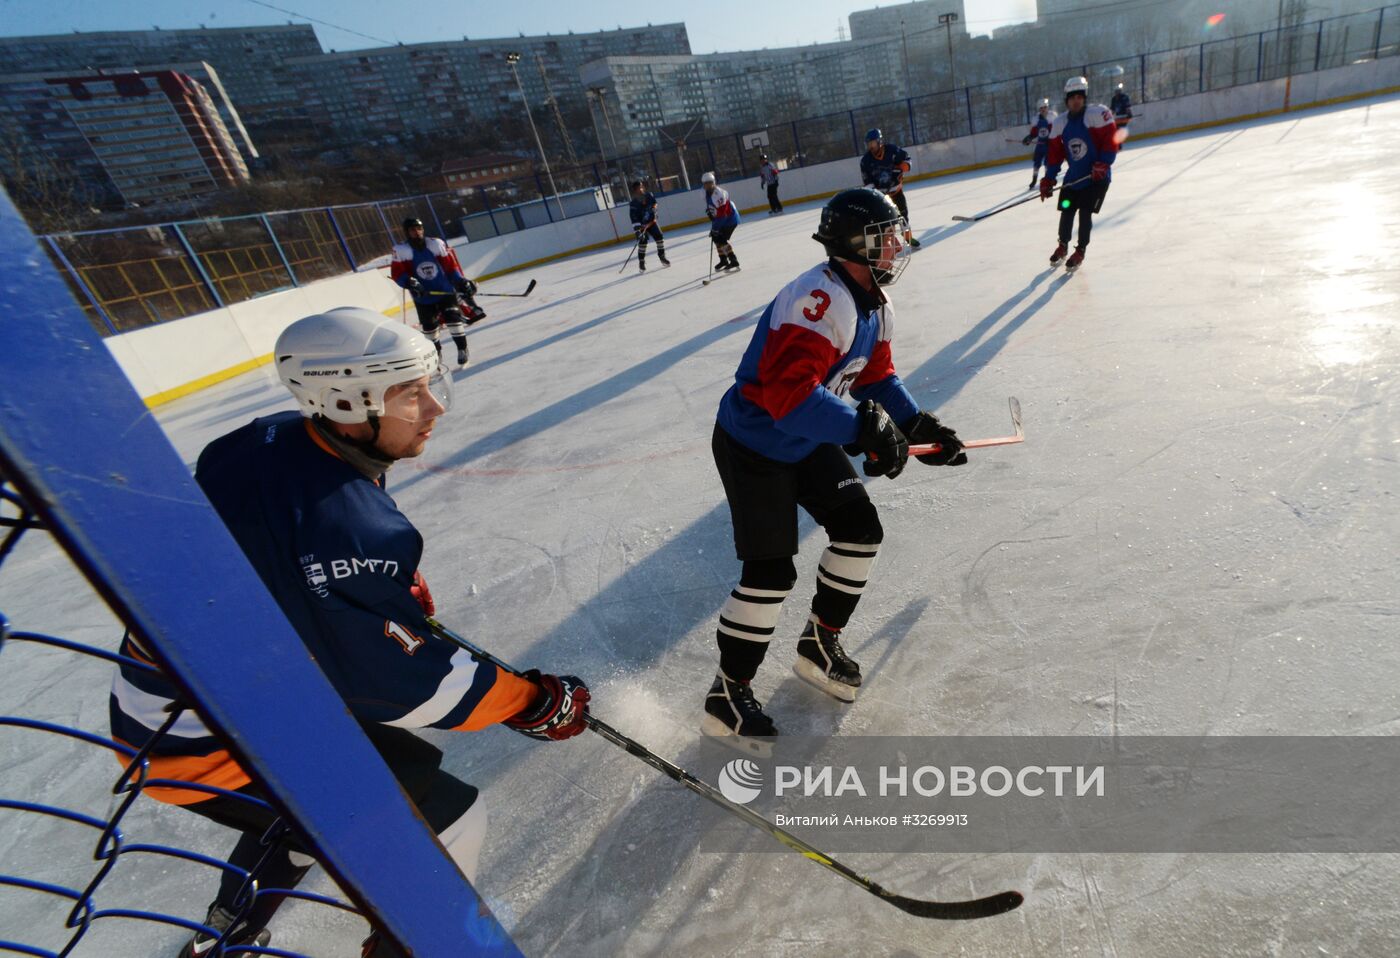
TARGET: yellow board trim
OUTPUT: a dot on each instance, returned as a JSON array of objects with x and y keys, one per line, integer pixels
[{"x": 213, "y": 378}]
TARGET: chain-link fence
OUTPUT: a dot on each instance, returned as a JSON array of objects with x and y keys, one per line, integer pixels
[{"x": 129, "y": 278}]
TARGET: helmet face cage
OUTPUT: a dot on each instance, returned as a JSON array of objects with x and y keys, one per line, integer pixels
[{"x": 876, "y": 236}]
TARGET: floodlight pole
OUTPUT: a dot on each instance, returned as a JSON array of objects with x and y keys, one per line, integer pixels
[
  {"x": 947, "y": 20},
  {"x": 513, "y": 59}
]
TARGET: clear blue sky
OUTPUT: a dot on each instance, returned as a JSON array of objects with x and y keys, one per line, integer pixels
[{"x": 713, "y": 25}]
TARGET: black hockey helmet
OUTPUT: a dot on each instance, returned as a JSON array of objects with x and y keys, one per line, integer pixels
[
  {"x": 638, "y": 184},
  {"x": 412, "y": 222},
  {"x": 853, "y": 225}
]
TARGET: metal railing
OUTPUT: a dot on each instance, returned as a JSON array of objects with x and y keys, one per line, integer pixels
[{"x": 138, "y": 276}]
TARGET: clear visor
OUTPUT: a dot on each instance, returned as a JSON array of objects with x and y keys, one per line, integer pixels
[
  {"x": 421, "y": 399},
  {"x": 885, "y": 250}
]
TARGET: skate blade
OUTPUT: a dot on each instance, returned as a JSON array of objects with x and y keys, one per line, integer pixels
[
  {"x": 810, "y": 673},
  {"x": 714, "y": 728}
]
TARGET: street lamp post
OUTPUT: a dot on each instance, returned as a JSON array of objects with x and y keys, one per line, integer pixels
[
  {"x": 947, "y": 20},
  {"x": 513, "y": 59}
]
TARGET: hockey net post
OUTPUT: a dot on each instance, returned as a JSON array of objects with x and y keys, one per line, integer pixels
[{"x": 85, "y": 459}]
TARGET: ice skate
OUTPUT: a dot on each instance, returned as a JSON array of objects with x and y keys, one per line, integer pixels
[
  {"x": 1059, "y": 254},
  {"x": 462, "y": 358},
  {"x": 1075, "y": 259},
  {"x": 736, "y": 718},
  {"x": 219, "y": 919},
  {"x": 823, "y": 664}
]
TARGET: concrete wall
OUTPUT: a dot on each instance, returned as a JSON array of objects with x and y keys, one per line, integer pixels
[{"x": 179, "y": 357}]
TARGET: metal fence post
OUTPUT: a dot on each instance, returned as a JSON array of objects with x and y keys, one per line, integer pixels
[
  {"x": 913, "y": 130},
  {"x": 1259, "y": 60},
  {"x": 802, "y": 160},
  {"x": 1380, "y": 19},
  {"x": 490, "y": 213},
  {"x": 1317, "y": 53},
  {"x": 388, "y": 231},
  {"x": 544, "y": 197},
  {"x": 199, "y": 267},
  {"x": 286, "y": 264},
  {"x": 1201, "y": 71},
  {"x": 967, "y": 94},
  {"x": 428, "y": 199},
  {"x": 855, "y": 137},
  {"x": 1142, "y": 77},
  {"x": 655, "y": 169},
  {"x": 82, "y": 284},
  {"x": 739, "y": 144},
  {"x": 349, "y": 256},
  {"x": 1026, "y": 98}
]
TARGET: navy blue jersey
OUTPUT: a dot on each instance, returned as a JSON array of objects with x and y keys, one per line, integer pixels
[
  {"x": 885, "y": 169},
  {"x": 643, "y": 210},
  {"x": 435, "y": 267},
  {"x": 814, "y": 345},
  {"x": 339, "y": 558}
]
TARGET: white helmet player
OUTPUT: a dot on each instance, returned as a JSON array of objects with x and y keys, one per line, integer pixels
[
  {"x": 1044, "y": 103},
  {"x": 1077, "y": 85},
  {"x": 339, "y": 364},
  {"x": 707, "y": 178}
]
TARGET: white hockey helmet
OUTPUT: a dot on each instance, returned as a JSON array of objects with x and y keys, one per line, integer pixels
[
  {"x": 1077, "y": 85},
  {"x": 338, "y": 364},
  {"x": 1044, "y": 103},
  {"x": 707, "y": 178}
]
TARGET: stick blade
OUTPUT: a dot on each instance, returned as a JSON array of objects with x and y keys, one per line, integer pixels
[
  {"x": 964, "y": 219},
  {"x": 530, "y": 289},
  {"x": 1015, "y": 405},
  {"x": 988, "y": 907}
]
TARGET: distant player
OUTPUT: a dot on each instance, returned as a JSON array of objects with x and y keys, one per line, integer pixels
[
  {"x": 883, "y": 166},
  {"x": 724, "y": 220},
  {"x": 1040, "y": 135},
  {"x": 1121, "y": 106},
  {"x": 778, "y": 446},
  {"x": 768, "y": 178},
  {"x": 428, "y": 269},
  {"x": 303, "y": 494},
  {"x": 1084, "y": 135},
  {"x": 643, "y": 213}
]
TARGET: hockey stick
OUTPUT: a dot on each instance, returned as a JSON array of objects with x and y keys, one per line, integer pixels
[
  {"x": 946, "y": 910},
  {"x": 982, "y": 216},
  {"x": 711, "y": 275},
  {"x": 634, "y": 248},
  {"x": 528, "y": 290},
  {"x": 1019, "y": 435}
]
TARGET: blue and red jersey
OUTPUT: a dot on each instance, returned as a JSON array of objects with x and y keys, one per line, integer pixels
[
  {"x": 720, "y": 208},
  {"x": 823, "y": 338},
  {"x": 1040, "y": 131},
  {"x": 435, "y": 266},
  {"x": 1083, "y": 139},
  {"x": 338, "y": 556}
]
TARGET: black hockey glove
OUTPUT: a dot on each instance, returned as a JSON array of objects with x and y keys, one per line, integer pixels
[
  {"x": 466, "y": 287},
  {"x": 558, "y": 710},
  {"x": 1026, "y": 140},
  {"x": 885, "y": 447},
  {"x": 925, "y": 429},
  {"x": 413, "y": 286}
]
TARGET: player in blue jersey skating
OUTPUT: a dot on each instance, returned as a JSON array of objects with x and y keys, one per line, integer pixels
[
  {"x": 303, "y": 493},
  {"x": 1040, "y": 136},
  {"x": 642, "y": 210},
  {"x": 882, "y": 167},
  {"x": 442, "y": 294},
  {"x": 1085, "y": 136},
  {"x": 778, "y": 445},
  {"x": 724, "y": 220}
]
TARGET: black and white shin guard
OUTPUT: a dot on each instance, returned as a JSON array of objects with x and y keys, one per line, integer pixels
[{"x": 746, "y": 626}]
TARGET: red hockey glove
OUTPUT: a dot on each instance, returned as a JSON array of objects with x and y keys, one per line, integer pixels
[
  {"x": 1047, "y": 188},
  {"x": 1099, "y": 171},
  {"x": 421, "y": 593},
  {"x": 558, "y": 710}
]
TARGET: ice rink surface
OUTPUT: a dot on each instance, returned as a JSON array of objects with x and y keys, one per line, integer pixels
[{"x": 1198, "y": 537}]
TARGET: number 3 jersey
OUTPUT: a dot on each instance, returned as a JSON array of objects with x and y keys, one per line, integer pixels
[{"x": 823, "y": 338}]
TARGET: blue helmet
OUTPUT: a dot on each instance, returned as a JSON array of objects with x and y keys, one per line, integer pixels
[{"x": 873, "y": 135}]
